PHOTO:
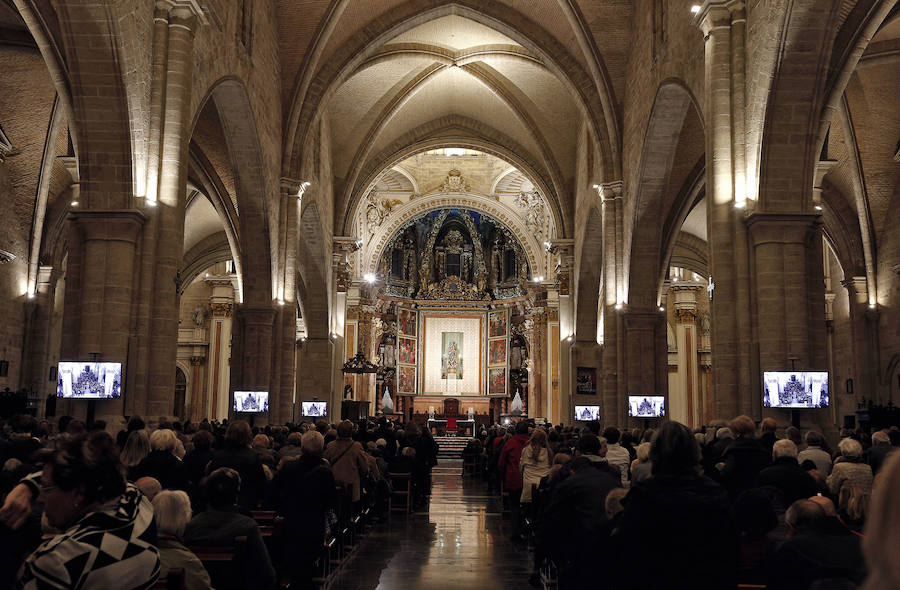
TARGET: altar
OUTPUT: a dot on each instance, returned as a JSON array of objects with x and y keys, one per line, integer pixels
[{"x": 464, "y": 427}]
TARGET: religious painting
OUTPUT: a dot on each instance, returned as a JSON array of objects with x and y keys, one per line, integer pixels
[
  {"x": 407, "y": 322},
  {"x": 496, "y": 324},
  {"x": 497, "y": 381},
  {"x": 497, "y": 352},
  {"x": 451, "y": 355},
  {"x": 407, "y": 351},
  {"x": 586, "y": 381},
  {"x": 407, "y": 380}
]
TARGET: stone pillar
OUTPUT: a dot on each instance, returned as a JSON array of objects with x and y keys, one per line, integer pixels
[
  {"x": 537, "y": 364},
  {"x": 102, "y": 288},
  {"x": 215, "y": 404},
  {"x": 36, "y": 354},
  {"x": 686, "y": 408},
  {"x": 645, "y": 358},
  {"x": 167, "y": 217},
  {"x": 314, "y": 374},
  {"x": 251, "y": 360},
  {"x": 612, "y": 297},
  {"x": 196, "y": 411},
  {"x": 789, "y": 294},
  {"x": 723, "y": 25},
  {"x": 864, "y": 335},
  {"x": 564, "y": 250}
]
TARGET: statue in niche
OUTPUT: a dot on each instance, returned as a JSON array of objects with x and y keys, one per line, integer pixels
[
  {"x": 409, "y": 259},
  {"x": 497, "y": 262},
  {"x": 531, "y": 207},
  {"x": 374, "y": 214},
  {"x": 199, "y": 315},
  {"x": 704, "y": 323}
]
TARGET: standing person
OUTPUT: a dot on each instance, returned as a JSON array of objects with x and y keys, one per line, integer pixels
[
  {"x": 678, "y": 521},
  {"x": 535, "y": 463},
  {"x": 744, "y": 458},
  {"x": 617, "y": 455},
  {"x": 347, "y": 458},
  {"x": 238, "y": 455},
  {"x": 508, "y": 467},
  {"x": 304, "y": 492}
]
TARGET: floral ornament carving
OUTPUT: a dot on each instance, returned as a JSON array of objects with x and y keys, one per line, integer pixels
[{"x": 530, "y": 205}]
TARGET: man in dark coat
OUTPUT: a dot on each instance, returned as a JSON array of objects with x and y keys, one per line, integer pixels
[
  {"x": 743, "y": 459},
  {"x": 767, "y": 436},
  {"x": 511, "y": 476},
  {"x": 573, "y": 528},
  {"x": 814, "y": 551},
  {"x": 677, "y": 529},
  {"x": 786, "y": 475},
  {"x": 238, "y": 455},
  {"x": 303, "y": 492}
]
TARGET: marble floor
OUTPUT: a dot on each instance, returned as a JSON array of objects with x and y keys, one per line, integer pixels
[{"x": 461, "y": 542}]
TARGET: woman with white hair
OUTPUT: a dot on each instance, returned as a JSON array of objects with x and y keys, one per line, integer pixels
[
  {"x": 850, "y": 469},
  {"x": 172, "y": 510},
  {"x": 161, "y": 463},
  {"x": 641, "y": 467}
]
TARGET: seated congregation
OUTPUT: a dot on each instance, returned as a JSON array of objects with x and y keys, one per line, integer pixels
[{"x": 225, "y": 505}]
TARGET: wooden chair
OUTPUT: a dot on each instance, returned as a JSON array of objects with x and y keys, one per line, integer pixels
[
  {"x": 452, "y": 427},
  {"x": 401, "y": 484},
  {"x": 174, "y": 580}
]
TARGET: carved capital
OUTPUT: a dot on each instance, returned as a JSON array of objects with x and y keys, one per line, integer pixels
[
  {"x": 197, "y": 360},
  {"x": 610, "y": 190},
  {"x": 221, "y": 309},
  {"x": 686, "y": 315}
]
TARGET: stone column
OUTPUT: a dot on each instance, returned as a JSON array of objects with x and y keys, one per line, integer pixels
[
  {"x": 195, "y": 414},
  {"x": 221, "y": 328},
  {"x": 564, "y": 250},
  {"x": 167, "y": 218},
  {"x": 645, "y": 358},
  {"x": 612, "y": 296},
  {"x": 251, "y": 360},
  {"x": 37, "y": 351},
  {"x": 686, "y": 409},
  {"x": 723, "y": 25},
  {"x": 104, "y": 284},
  {"x": 864, "y": 335},
  {"x": 314, "y": 374},
  {"x": 789, "y": 294}
]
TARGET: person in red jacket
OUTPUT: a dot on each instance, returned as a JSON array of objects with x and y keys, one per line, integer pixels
[{"x": 508, "y": 467}]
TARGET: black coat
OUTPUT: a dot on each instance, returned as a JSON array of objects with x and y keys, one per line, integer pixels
[
  {"x": 574, "y": 528},
  {"x": 246, "y": 462},
  {"x": 165, "y": 467},
  {"x": 303, "y": 491},
  {"x": 811, "y": 556},
  {"x": 744, "y": 458},
  {"x": 677, "y": 531},
  {"x": 791, "y": 480}
]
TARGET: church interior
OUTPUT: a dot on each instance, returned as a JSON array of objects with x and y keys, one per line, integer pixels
[{"x": 452, "y": 219}]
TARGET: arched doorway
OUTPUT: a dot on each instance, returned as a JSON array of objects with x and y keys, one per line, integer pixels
[{"x": 180, "y": 392}]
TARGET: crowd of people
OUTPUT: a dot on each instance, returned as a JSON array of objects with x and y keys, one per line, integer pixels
[
  {"x": 723, "y": 505},
  {"x": 671, "y": 508},
  {"x": 82, "y": 508}
]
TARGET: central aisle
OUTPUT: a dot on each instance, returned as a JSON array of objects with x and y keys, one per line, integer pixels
[{"x": 462, "y": 542}]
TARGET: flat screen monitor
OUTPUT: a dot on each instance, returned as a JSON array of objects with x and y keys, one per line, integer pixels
[
  {"x": 646, "y": 406},
  {"x": 314, "y": 409},
  {"x": 78, "y": 380},
  {"x": 795, "y": 389},
  {"x": 251, "y": 401},
  {"x": 587, "y": 413}
]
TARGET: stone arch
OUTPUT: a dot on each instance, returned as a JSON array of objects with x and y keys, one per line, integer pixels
[
  {"x": 690, "y": 196},
  {"x": 454, "y": 131},
  {"x": 794, "y": 109},
  {"x": 841, "y": 230},
  {"x": 101, "y": 123},
  {"x": 309, "y": 95},
  {"x": 589, "y": 271},
  {"x": 646, "y": 246},
  {"x": 255, "y": 237},
  {"x": 373, "y": 250},
  {"x": 313, "y": 289}
]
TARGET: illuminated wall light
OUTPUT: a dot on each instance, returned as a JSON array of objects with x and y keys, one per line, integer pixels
[
  {"x": 74, "y": 203},
  {"x": 818, "y": 207},
  {"x": 661, "y": 308},
  {"x": 548, "y": 245},
  {"x": 740, "y": 204},
  {"x": 369, "y": 278},
  {"x": 538, "y": 279},
  {"x": 619, "y": 306},
  {"x": 596, "y": 186},
  {"x": 872, "y": 305},
  {"x": 695, "y": 9},
  {"x": 570, "y": 338},
  {"x": 281, "y": 302}
]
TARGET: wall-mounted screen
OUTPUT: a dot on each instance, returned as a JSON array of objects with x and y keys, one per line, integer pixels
[
  {"x": 251, "y": 401},
  {"x": 587, "y": 413},
  {"x": 314, "y": 409},
  {"x": 795, "y": 389},
  {"x": 78, "y": 380},
  {"x": 646, "y": 406}
]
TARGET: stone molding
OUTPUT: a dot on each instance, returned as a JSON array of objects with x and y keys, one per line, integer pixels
[{"x": 116, "y": 225}]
